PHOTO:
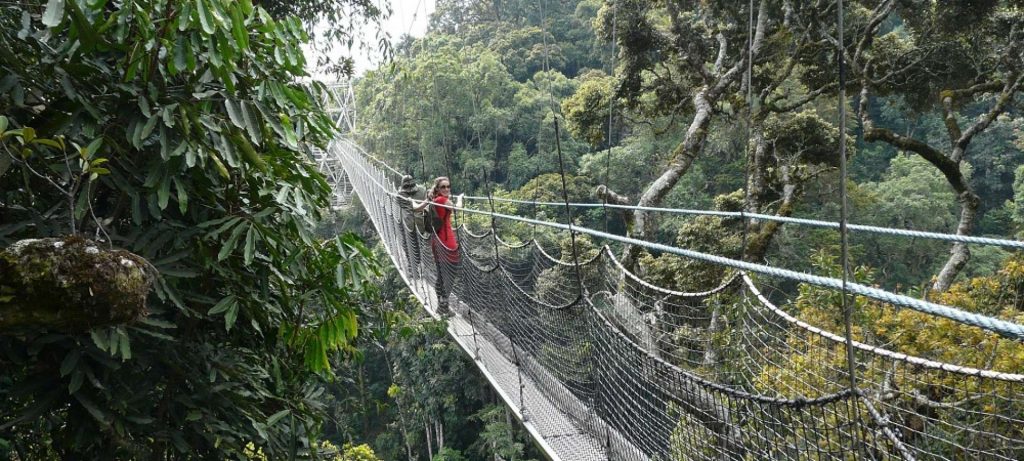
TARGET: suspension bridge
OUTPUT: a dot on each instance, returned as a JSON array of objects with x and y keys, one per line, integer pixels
[{"x": 600, "y": 364}]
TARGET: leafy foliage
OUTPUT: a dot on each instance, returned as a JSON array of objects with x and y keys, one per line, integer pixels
[
  {"x": 922, "y": 391},
  {"x": 175, "y": 130},
  {"x": 498, "y": 436}
]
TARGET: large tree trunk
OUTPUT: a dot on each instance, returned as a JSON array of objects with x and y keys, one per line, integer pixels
[
  {"x": 682, "y": 158},
  {"x": 704, "y": 100},
  {"x": 70, "y": 285},
  {"x": 959, "y": 254}
]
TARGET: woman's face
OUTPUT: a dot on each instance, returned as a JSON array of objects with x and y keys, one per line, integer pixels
[{"x": 445, "y": 188}]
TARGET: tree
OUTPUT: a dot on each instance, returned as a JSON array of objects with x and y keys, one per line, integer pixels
[
  {"x": 498, "y": 438},
  {"x": 911, "y": 195},
  {"x": 332, "y": 23},
  {"x": 962, "y": 61},
  {"x": 669, "y": 72},
  {"x": 204, "y": 138},
  {"x": 671, "y": 61},
  {"x": 913, "y": 398}
]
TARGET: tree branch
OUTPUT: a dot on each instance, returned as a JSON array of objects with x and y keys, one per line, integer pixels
[
  {"x": 1005, "y": 97},
  {"x": 877, "y": 16},
  {"x": 605, "y": 193},
  {"x": 949, "y": 168}
]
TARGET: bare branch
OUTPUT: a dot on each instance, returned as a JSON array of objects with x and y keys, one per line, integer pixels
[
  {"x": 1009, "y": 90},
  {"x": 722, "y": 45},
  {"x": 949, "y": 168},
  {"x": 797, "y": 103}
]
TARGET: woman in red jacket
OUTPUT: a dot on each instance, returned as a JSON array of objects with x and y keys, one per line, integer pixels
[{"x": 445, "y": 247}]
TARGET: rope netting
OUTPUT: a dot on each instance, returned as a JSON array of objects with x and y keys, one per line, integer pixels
[{"x": 745, "y": 370}]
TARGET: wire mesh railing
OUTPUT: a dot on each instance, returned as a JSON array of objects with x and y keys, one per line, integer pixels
[{"x": 729, "y": 372}]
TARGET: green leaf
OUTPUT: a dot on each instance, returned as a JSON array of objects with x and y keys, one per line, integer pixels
[
  {"x": 250, "y": 245},
  {"x": 206, "y": 17},
  {"x": 3, "y": 123},
  {"x": 139, "y": 420},
  {"x": 273, "y": 419},
  {"x": 154, "y": 334},
  {"x": 225, "y": 224},
  {"x": 87, "y": 34},
  {"x": 114, "y": 342},
  {"x": 182, "y": 195},
  {"x": 144, "y": 106},
  {"x": 99, "y": 340},
  {"x": 217, "y": 9},
  {"x": 54, "y": 13},
  {"x": 252, "y": 123},
  {"x": 82, "y": 203},
  {"x": 185, "y": 16},
  {"x": 126, "y": 350},
  {"x": 190, "y": 56},
  {"x": 28, "y": 134},
  {"x": 271, "y": 118},
  {"x": 70, "y": 361},
  {"x": 48, "y": 142},
  {"x": 230, "y": 316},
  {"x": 93, "y": 147},
  {"x": 282, "y": 195},
  {"x": 289, "y": 134},
  {"x": 148, "y": 128},
  {"x": 229, "y": 246},
  {"x": 249, "y": 152},
  {"x": 179, "y": 63},
  {"x": 168, "y": 115},
  {"x": 223, "y": 305},
  {"x": 154, "y": 322},
  {"x": 238, "y": 27},
  {"x": 220, "y": 165},
  {"x": 163, "y": 193},
  {"x": 76, "y": 381},
  {"x": 234, "y": 112},
  {"x": 352, "y": 324},
  {"x": 92, "y": 409}
]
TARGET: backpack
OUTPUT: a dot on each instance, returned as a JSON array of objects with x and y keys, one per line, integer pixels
[{"x": 432, "y": 220}]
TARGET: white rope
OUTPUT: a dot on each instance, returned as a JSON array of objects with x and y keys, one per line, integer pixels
[{"x": 1017, "y": 244}]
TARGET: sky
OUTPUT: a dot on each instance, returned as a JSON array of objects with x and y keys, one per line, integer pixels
[{"x": 408, "y": 16}]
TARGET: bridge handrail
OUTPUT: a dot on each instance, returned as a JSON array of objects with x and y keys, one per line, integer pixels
[
  {"x": 1007, "y": 243},
  {"x": 1014, "y": 377},
  {"x": 1001, "y": 327}
]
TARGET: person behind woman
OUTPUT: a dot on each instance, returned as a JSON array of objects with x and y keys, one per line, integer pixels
[
  {"x": 410, "y": 194},
  {"x": 445, "y": 246}
]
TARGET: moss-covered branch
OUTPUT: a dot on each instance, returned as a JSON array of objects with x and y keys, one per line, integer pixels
[{"x": 70, "y": 285}]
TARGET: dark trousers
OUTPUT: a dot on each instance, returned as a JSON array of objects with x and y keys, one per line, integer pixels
[
  {"x": 412, "y": 251},
  {"x": 446, "y": 266}
]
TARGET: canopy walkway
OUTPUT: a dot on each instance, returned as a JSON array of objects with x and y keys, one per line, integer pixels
[{"x": 600, "y": 364}]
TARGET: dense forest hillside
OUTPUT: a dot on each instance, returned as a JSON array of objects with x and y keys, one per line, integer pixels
[
  {"x": 479, "y": 94},
  {"x": 653, "y": 107}
]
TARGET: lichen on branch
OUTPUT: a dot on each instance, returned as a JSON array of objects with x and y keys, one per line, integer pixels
[{"x": 70, "y": 284}]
